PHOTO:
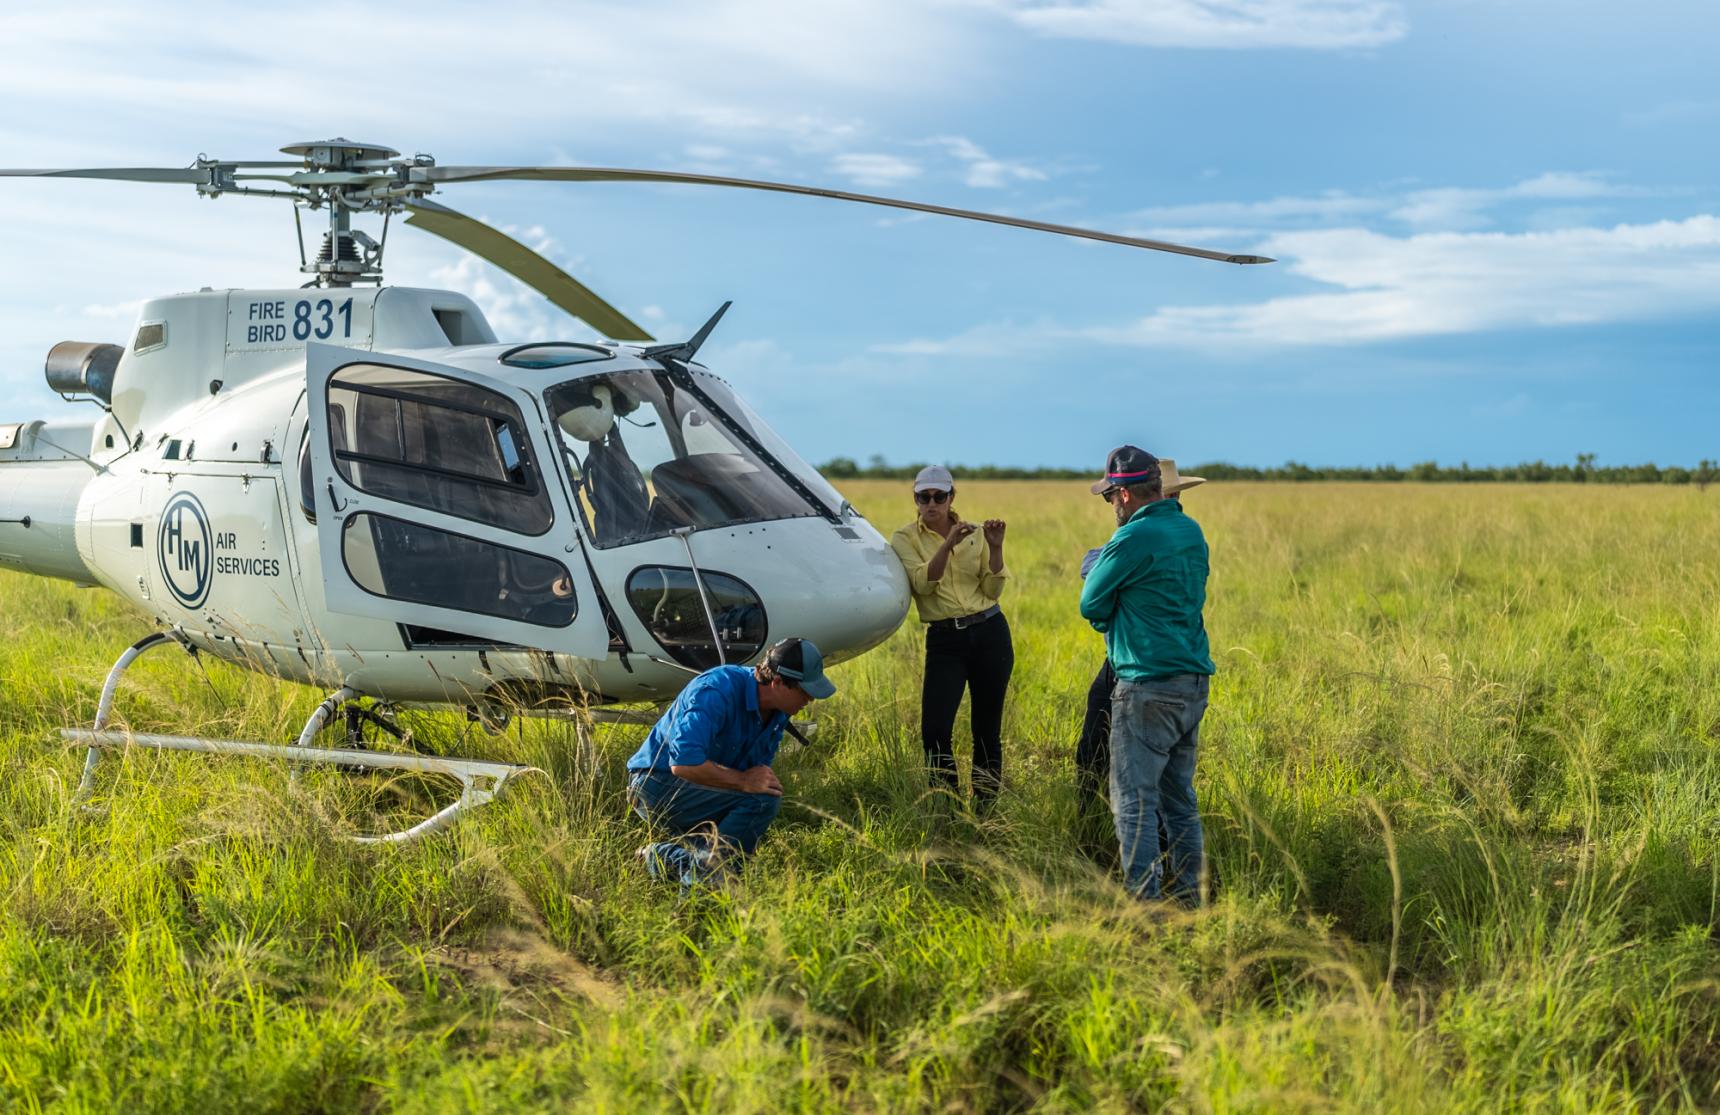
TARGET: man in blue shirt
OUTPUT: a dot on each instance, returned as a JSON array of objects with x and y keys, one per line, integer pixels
[
  {"x": 703, "y": 774},
  {"x": 1146, "y": 593}
]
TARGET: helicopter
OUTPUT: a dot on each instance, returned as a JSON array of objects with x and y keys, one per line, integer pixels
[{"x": 359, "y": 487}]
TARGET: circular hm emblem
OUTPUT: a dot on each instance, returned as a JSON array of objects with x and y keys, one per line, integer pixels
[{"x": 183, "y": 545}]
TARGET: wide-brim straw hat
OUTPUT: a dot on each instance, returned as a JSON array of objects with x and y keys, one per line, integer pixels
[{"x": 1171, "y": 482}]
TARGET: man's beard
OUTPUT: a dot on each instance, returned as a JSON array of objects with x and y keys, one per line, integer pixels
[{"x": 1121, "y": 516}]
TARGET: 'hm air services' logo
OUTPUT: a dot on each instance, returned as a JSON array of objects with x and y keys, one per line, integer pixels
[{"x": 184, "y": 548}]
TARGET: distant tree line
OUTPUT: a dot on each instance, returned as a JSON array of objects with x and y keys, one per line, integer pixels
[{"x": 1583, "y": 471}]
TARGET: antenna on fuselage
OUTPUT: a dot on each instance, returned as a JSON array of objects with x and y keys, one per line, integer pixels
[{"x": 686, "y": 350}]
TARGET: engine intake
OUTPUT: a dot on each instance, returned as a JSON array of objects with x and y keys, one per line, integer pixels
[{"x": 83, "y": 368}]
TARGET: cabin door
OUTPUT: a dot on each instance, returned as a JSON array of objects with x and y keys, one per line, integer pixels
[{"x": 440, "y": 504}]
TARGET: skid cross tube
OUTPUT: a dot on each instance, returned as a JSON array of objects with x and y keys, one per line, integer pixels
[{"x": 480, "y": 780}]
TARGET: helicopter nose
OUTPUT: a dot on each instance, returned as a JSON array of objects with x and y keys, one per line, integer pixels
[
  {"x": 860, "y": 604},
  {"x": 838, "y": 584}
]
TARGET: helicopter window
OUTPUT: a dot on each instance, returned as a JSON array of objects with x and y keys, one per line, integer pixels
[
  {"x": 647, "y": 459},
  {"x": 556, "y": 355},
  {"x": 393, "y": 558},
  {"x": 668, "y": 603},
  {"x": 151, "y": 335},
  {"x": 307, "y": 486},
  {"x": 436, "y": 443}
]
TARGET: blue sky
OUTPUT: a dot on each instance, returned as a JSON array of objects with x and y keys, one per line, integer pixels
[{"x": 1498, "y": 223}]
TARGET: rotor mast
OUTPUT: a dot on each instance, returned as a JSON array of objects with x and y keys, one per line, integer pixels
[{"x": 346, "y": 177}]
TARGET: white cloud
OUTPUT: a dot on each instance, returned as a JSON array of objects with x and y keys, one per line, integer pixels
[
  {"x": 1446, "y": 208},
  {"x": 1326, "y": 207},
  {"x": 516, "y": 311},
  {"x": 1441, "y": 283},
  {"x": 873, "y": 169},
  {"x": 1383, "y": 288},
  {"x": 1456, "y": 208},
  {"x": 126, "y": 311},
  {"x": 1199, "y": 236},
  {"x": 977, "y": 167},
  {"x": 743, "y": 69},
  {"x": 1220, "y": 24},
  {"x": 983, "y": 171}
]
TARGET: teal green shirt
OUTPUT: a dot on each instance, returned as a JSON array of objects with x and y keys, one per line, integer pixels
[{"x": 1146, "y": 593}]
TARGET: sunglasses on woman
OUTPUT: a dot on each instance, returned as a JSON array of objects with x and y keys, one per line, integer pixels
[{"x": 930, "y": 497}]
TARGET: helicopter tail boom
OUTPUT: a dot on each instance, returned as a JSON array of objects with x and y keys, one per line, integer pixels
[{"x": 42, "y": 479}]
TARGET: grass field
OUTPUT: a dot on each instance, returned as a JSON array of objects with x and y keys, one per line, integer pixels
[{"x": 1462, "y": 795}]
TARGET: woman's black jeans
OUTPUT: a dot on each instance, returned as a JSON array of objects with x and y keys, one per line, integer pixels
[{"x": 979, "y": 658}]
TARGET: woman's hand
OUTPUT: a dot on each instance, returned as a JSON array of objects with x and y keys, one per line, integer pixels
[
  {"x": 994, "y": 529},
  {"x": 959, "y": 533},
  {"x": 941, "y": 560}
]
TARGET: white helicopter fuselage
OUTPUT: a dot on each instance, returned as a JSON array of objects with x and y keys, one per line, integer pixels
[{"x": 362, "y": 488}]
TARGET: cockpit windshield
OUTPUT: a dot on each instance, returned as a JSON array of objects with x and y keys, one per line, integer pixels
[{"x": 649, "y": 457}]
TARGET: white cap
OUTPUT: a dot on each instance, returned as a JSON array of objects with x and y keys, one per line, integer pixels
[{"x": 934, "y": 478}]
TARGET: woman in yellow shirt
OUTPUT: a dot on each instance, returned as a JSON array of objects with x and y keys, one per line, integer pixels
[{"x": 956, "y": 571}]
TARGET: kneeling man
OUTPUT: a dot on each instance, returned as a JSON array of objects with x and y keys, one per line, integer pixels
[{"x": 703, "y": 774}]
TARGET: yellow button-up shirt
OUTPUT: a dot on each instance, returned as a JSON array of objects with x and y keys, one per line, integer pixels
[{"x": 968, "y": 584}]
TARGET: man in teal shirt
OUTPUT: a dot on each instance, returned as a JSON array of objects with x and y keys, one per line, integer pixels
[{"x": 1145, "y": 594}]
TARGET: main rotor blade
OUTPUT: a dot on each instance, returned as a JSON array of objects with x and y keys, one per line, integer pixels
[
  {"x": 525, "y": 265},
  {"x": 607, "y": 174},
  {"x": 190, "y": 174}
]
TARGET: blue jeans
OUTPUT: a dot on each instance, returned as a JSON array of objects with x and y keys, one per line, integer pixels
[
  {"x": 716, "y": 821},
  {"x": 1155, "y": 732}
]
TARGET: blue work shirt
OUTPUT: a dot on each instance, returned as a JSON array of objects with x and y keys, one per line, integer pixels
[{"x": 714, "y": 719}]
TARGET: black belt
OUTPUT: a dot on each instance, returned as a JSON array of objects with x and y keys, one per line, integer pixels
[{"x": 962, "y": 623}]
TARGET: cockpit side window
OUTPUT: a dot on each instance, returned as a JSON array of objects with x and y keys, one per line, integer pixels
[
  {"x": 648, "y": 460},
  {"x": 437, "y": 443},
  {"x": 307, "y": 482}
]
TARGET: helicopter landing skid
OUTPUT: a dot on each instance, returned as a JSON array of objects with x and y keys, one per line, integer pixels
[{"x": 480, "y": 780}]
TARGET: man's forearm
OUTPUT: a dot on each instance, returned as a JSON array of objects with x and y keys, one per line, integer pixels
[{"x": 714, "y": 775}]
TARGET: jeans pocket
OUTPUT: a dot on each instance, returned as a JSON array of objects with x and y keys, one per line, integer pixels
[
  {"x": 1146, "y": 694},
  {"x": 1146, "y": 719}
]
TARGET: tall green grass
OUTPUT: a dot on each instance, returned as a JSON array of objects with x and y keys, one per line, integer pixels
[{"x": 1463, "y": 806}]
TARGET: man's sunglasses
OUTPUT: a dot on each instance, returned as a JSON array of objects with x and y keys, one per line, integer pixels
[{"x": 931, "y": 497}]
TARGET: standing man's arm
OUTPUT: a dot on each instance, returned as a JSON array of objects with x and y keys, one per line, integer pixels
[{"x": 1099, "y": 590}]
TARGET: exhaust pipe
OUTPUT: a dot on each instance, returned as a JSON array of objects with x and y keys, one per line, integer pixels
[{"x": 83, "y": 368}]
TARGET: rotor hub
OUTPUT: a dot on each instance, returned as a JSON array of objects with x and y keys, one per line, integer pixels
[
  {"x": 347, "y": 177},
  {"x": 339, "y": 153}
]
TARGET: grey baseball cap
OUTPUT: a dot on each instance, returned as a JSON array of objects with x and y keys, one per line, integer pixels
[{"x": 934, "y": 478}]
